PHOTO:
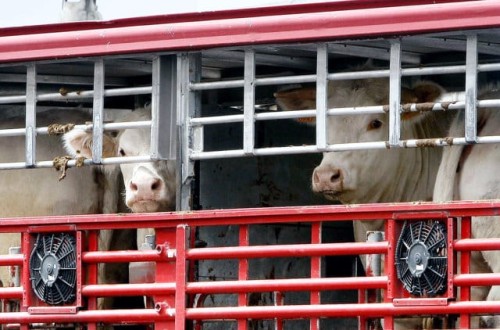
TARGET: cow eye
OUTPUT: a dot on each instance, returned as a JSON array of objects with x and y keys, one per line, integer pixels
[
  {"x": 122, "y": 152},
  {"x": 375, "y": 124}
]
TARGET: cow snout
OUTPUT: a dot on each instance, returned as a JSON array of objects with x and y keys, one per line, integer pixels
[
  {"x": 327, "y": 180},
  {"x": 145, "y": 186}
]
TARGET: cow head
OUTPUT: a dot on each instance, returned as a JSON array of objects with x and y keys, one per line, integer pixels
[
  {"x": 359, "y": 177},
  {"x": 149, "y": 187}
]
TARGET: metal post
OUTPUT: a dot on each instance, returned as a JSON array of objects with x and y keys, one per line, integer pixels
[
  {"x": 31, "y": 99},
  {"x": 163, "y": 108},
  {"x": 98, "y": 110},
  {"x": 321, "y": 96},
  {"x": 471, "y": 89},
  {"x": 188, "y": 104},
  {"x": 249, "y": 103},
  {"x": 395, "y": 94}
]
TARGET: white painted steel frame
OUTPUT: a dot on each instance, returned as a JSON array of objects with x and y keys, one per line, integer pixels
[{"x": 394, "y": 73}]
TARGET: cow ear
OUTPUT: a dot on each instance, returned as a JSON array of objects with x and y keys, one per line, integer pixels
[
  {"x": 298, "y": 99},
  {"x": 78, "y": 142},
  {"x": 424, "y": 92}
]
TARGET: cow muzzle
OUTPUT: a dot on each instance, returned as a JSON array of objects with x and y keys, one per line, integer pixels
[{"x": 328, "y": 181}]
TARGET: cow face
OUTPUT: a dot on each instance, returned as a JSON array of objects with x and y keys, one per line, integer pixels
[
  {"x": 149, "y": 187},
  {"x": 354, "y": 176}
]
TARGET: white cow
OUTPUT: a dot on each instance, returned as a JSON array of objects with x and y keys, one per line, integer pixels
[
  {"x": 38, "y": 192},
  {"x": 149, "y": 187},
  {"x": 81, "y": 10},
  {"x": 374, "y": 176},
  {"x": 471, "y": 173}
]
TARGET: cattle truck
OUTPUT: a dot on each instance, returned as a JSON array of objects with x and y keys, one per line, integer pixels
[{"x": 249, "y": 245}]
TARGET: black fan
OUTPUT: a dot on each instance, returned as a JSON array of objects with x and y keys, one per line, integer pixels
[
  {"x": 53, "y": 268},
  {"x": 421, "y": 258}
]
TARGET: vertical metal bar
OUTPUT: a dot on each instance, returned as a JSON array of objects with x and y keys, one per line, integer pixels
[
  {"x": 389, "y": 269},
  {"x": 395, "y": 94},
  {"x": 181, "y": 276},
  {"x": 188, "y": 104},
  {"x": 92, "y": 273},
  {"x": 249, "y": 103},
  {"x": 315, "y": 297},
  {"x": 243, "y": 274},
  {"x": 31, "y": 99},
  {"x": 471, "y": 62},
  {"x": 163, "y": 108},
  {"x": 98, "y": 110},
  {"x": 321, "y": 96},
  {"x": 465, "y": 291}
]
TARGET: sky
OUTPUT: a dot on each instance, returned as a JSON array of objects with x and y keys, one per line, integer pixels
[{"x": 33, "y": 12}]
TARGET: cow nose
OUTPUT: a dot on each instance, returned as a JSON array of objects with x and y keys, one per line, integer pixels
[
  {"x": 145, "y": 185},
  {"x": 327, "y": 179}
]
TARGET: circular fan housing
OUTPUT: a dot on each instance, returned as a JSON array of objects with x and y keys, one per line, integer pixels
[
  {"x": 421, "y": 258},
  {"x": 53, "y": 268}
]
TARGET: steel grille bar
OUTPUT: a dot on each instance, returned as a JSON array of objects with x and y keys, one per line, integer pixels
[
  {"x": 471, "y": 89},
  {"x": 321, "y": 96},
  {"x": 31, "y": 100},
  {"x": 163, "y": 108},
  {"x": 395, "y": 94},
  {"x": 98, "y": 111},
  {"x": 249, "y": 103}
]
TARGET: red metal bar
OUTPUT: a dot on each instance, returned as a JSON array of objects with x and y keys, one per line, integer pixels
[
  {"x": 11, "y": 292},
  {"x": 123, "y": 290},
  {"x": 234, "y": 28},
  {"x": 244, "y": 241},
  {"x": 340, "y": 310},
  {"x": 315, "y": 296},
  {"x": 476, "y": 244},
  {"x": 296, "y": 250},
  {"x": 11, "y": 260},
  {"x": 465, "y": 269},
  {"x": 182, "y": 238},
  {"x": 467, "y": 280},
  {"x": 252, "y": 216},
  {"x": 157, "y": 255},
  {"x": 118, "y": 316}
]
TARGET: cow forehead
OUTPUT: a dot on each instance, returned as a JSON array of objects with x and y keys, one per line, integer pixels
[
  {"x": 355, "y": 93},
  {"x": 136, "y": 140}
]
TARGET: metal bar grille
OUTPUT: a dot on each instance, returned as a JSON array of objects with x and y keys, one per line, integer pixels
[{"x": 172, "y": 253}]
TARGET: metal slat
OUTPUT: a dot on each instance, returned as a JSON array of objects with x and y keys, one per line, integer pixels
[
  {"x": 163, "y": 108},
  {"x": 395, "y": 94},
  {"x": 471, "y": 61},
  {"x": 97, "y": 113},
  {"x": 30, "y": 142},
  {"x": 188, "y": 104},
  {"x": 321, "y": 96},
  {"x": 249, "y": 103}
]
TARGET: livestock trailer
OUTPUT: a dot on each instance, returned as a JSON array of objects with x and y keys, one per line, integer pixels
[{"x": 249, "y": 246}]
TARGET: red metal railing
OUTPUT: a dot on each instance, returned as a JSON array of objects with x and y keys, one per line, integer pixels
[
  {"x": 301, "y": 23},
  {"x": 174, "y": 289}
]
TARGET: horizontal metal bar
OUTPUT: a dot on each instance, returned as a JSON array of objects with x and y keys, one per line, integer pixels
[
  {"x": 296, "y": 250},
  {"x": 339, "y": 310},
  {"x": 119, "y": 290},
  {"x": 486, "y": 279},
  {"x": 476, "y": 244},
  {"x": 77, "y": 95},
  {"x": 300, "y": 284},
  {"x": 11, "y": 292}
]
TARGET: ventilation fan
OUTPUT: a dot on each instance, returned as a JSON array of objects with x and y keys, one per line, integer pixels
[
  {"x": 53, "y": 268},
  {"x": 421, "y": 258}
]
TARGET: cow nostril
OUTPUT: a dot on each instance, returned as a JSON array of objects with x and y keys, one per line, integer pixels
[
  {"x": 133, "y": 186},
  {"x": 156, "y": 185},
  {"x": 335, "y": 176}
]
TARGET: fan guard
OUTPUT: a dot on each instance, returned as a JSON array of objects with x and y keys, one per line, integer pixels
[
  {"x": 421, "y": 257},
  {"x": 53, "y": 268}
]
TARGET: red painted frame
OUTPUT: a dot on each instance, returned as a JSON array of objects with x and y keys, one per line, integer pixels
[
  {"x": 174, "y": 255},
  {"x": 300, "y": 23}
]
